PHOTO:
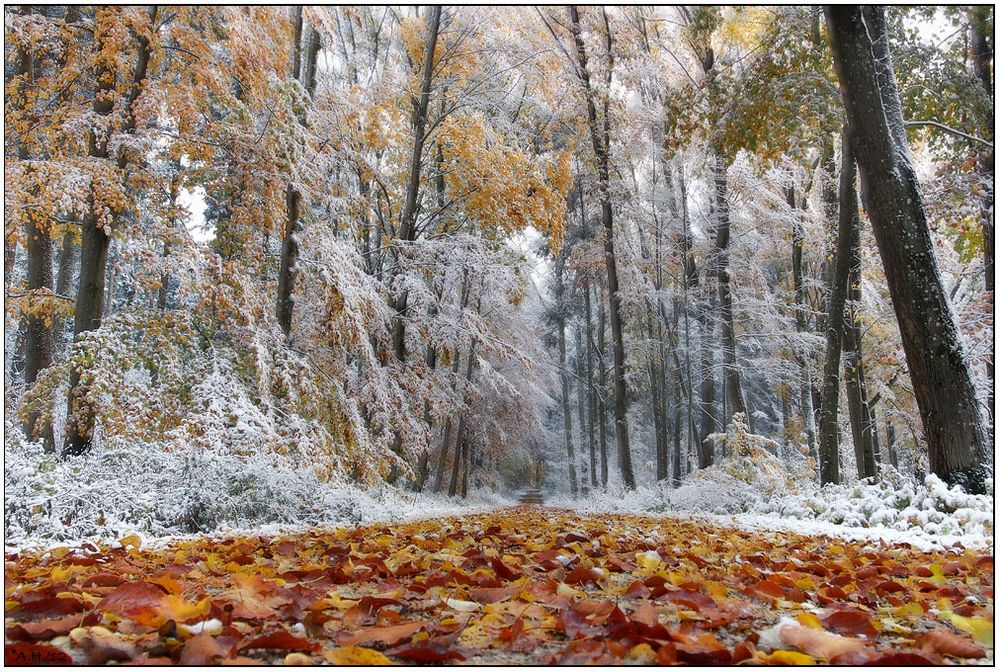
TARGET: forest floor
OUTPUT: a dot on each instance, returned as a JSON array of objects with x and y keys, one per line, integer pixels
[{"x": 527, "y": 584}]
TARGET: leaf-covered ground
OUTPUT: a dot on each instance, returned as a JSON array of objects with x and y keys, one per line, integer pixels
[{"x": 523, "y": 585}]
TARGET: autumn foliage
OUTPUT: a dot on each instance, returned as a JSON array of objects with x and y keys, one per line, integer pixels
[{"x": 521, "y": 585}]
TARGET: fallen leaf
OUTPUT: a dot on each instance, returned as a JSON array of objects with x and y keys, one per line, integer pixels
[
  {"x": 817, "y": 643},
  {"x": 948, "y": 644},
  {"x": 356, "y": 655}
]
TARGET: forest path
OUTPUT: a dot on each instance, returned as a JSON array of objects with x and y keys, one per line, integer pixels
[{"x": 518, "y": 585}]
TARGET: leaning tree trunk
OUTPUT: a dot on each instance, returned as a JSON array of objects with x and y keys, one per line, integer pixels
[
  {"x": 407, "y": 219},
  {"x": 96, "y": 233},
  {"x": 829, "y": 444},
  {"x": 942, "y": 382},
  {"x": 303, "y": 70},
  {"x": 600, "y": 137}
]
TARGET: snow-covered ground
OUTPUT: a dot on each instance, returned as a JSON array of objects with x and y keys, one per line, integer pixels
[
  {"x": 120, "y": 490},
  {"x": 927, "y": 515}
]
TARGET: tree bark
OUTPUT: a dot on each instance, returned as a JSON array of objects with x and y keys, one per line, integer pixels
[
  {"x": 600, "y": 138},
  {"x": 847, "y": 243},
  {"x": 862, "y": 419},
  {"x": 935, "y": 356},
  {"x": 591, "y": 397},
  {"x": 981, "y": 51},
  {"x": 564, "y": 379},
  {"x": 733, "y": 386},
  {"x": 303, "y": 70},
  {"x": 96, "y": 235},
  {"x": 407, "y": 218},
  {"x": 581, "y": 409},
  {"x": 602, "y": 383}
]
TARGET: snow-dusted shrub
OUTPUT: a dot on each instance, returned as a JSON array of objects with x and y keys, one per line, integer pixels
[
  {"x": 123, "y": 487},
  {"x": 896, "y": 502},
  {"x": 751, "y": 458}
]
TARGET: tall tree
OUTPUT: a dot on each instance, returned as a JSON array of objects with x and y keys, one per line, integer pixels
[
  {"x": 600, "y": 135},
  {"x": 935, "y": 356},
  {"x": 97, "y": 226}
]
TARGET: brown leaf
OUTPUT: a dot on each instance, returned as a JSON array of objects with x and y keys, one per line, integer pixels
[
  {"x": 390, "y": 635},
  {"x": 427, "y": 651},
  {"x": 949, "y": 644},
  {"x": 47, "y": 607},
  {"x": 102, "y": 645},
  {"x": 48, "y": 629},
  {"x": 503, "y": 571},
  {"x": 282, "y": 640},
  {"x": 817, "y": 643},
  {"x": 204, "y": 649},
  {"x": 850, "y": 622}
]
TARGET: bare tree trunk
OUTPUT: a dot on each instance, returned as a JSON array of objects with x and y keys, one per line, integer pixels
[
  {"x": 581, "y": 409},
  {"x": 601, "y": 149},
  {"x": 706, "y": 453},
  {"x": 935, "y": 355}
]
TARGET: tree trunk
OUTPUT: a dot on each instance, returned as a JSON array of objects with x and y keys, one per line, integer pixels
[
  {"x": 981, "y": 51},
  {"x": 733, "y": 386},
  {"x": 303, "y": 70},
  {"x": 64, "y": 280},
  {"x": 446, "y": 438},
  {"x": 708, "y": 424},
  {"x": 581, "y": 409},
  {"x": 462, "y": 422},
  {"x": 602, "y": 382},
  {"x": 601, "y": 149},
  {"x": 96, "y": 234},
  {"x": 407, "y": 218},
  {"x": 862, "y": 420},
  {"x": 935, "y": 356},
  {"x": 567, "y": 417},
  {"x": 591, "y": 397},
  {"x": 806, "y": 392},
  {"x": 847, "y": 244}
]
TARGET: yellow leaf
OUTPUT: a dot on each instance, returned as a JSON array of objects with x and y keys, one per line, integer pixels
[
  {"x": 177, "y": 609},
  {"x": 810, "y": 621},
  {"x": 716, "y": 589},
  {"x": 356, "y": 655},
  {"x": 980, "y": 628},
  {"x": 643, "y": 654},
  {"x": 937, "y": 575},
  {"x": 131, "y": 540},
  {"x": 782, "y": 657},
  {"x": 59, "y": 552}
]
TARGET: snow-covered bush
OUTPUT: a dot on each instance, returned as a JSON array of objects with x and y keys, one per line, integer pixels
[{"x": 129, "y": 487}]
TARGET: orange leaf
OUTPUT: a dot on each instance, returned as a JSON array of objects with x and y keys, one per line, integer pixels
[
  {"x": 817, "y": 643},
  {"x": 949, "y": 644}
]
